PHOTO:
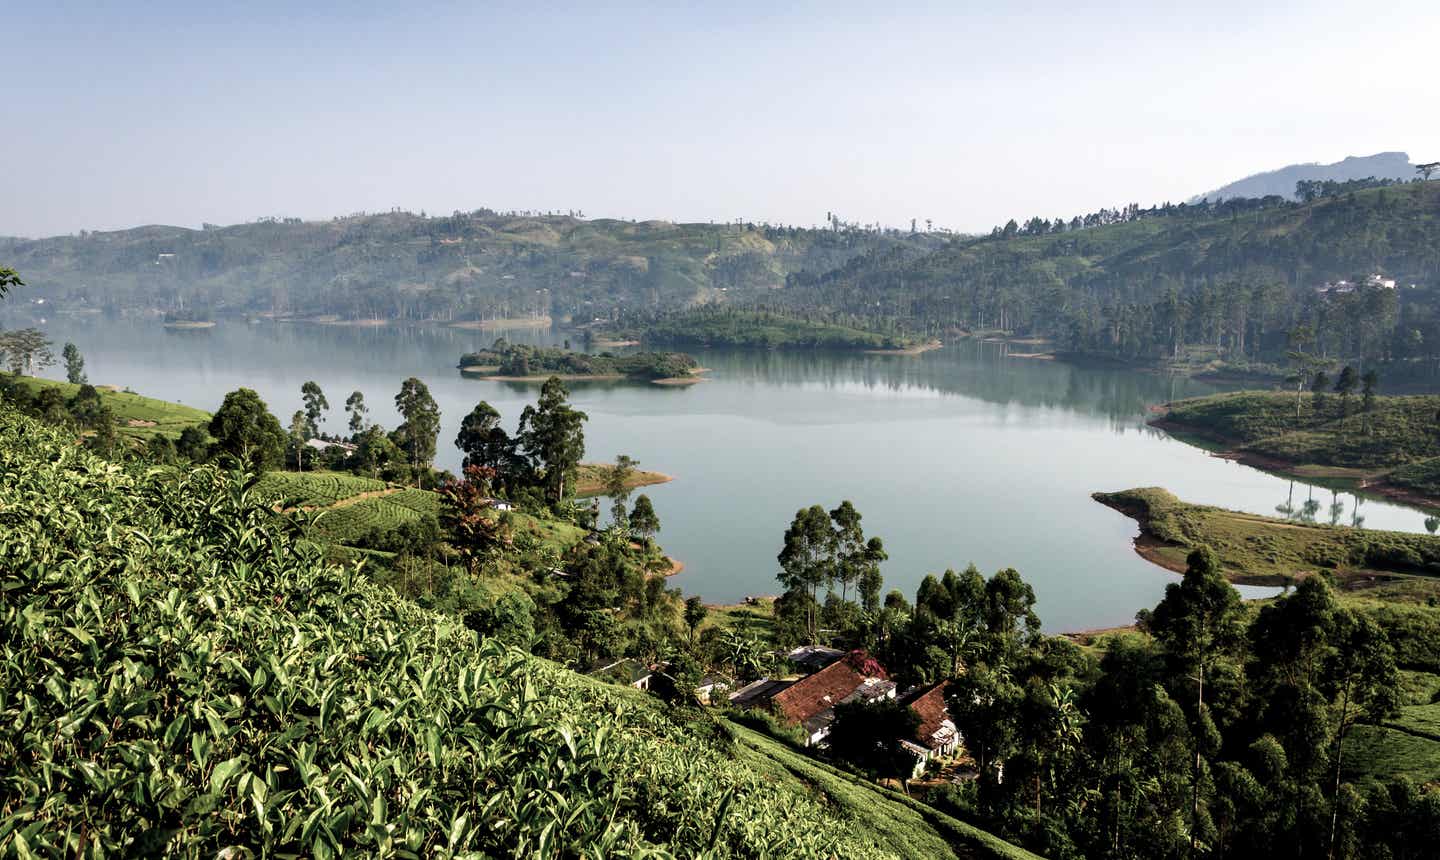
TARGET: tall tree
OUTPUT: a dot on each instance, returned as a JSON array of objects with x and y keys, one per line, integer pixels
[
  {"x": 416, "y": 433},
  {"x": 315, "y": 407},
  {"x": 74, "y": 364},
  {"x": 299, "y": 432},
  {"x": 695, "y": 612},
  {"x": 1199, "y": 621},
  {"x": 246, "y": 432},
  {"x": 481, "y": 438},
  {"x": 1364, "y": 682},
  {"x": 807, "y": 559},
  {"x": 617, "y": 486},
  {"x": 553, "y": 435},
  {"x": 849, "y": 546},
  {"x": 1345, "y": 386},
  {"x": 355, "y": 405},
  {"x": 643, "y": 520},
  {"x": 26, "y": 350}
]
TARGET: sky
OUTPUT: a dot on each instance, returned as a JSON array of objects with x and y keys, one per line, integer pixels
[{"x": 966, "y": 114}]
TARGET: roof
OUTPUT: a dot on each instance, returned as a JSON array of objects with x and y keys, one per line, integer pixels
[
  {"x": 756, "y": 692},
  {"x": 629, "y": 671},
  {"x": 814, "y": 657},
  {"x": 935, "y": 729},
  {"x": 812, "y": 695}
]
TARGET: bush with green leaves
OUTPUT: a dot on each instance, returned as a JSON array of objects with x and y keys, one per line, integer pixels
[{"x": 182, "y": 675}]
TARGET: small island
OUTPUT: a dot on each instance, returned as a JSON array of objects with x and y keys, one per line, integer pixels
[
  {"x": 512, "y": 362},
  {"x": 751, "y": 329}
]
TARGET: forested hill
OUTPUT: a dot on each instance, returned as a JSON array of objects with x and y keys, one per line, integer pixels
[
  {"x": 403, "y": 266},
  {"x": 1235, "y": 278}
]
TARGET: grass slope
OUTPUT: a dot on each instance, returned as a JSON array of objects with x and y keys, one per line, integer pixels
[
  {"x": 182, "y": 677},
  {"x": 1396, "y": 444},
  {"x": 1266, "y": 550},
  {"x": 139, "y": 417},
  {"x": 905, "y": 825}
]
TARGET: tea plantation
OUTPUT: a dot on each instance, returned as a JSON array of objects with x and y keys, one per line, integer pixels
[{"x": 181, "y": 676}]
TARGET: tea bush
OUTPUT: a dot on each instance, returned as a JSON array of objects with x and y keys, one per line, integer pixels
[{"x": 181, "y": 675}]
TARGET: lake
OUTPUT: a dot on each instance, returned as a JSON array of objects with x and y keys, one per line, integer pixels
[{"x": 958, "y": 455}]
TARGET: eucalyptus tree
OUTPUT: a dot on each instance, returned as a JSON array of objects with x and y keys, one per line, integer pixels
[
  {"x": 355, "y": 405},
  {"x": 74, "y": 364},
  {"x": 315, "y": 407},
  {"x": 617, "y": 486},
  {"x": 481, "y": 438},
  {"x": 807, "y": 559},
  {"x": 552, "y": 434},
  {"x": 1199, "y": 621},
  {"x": 416, "y": 434},
  {"x": 299, "y": 431}
]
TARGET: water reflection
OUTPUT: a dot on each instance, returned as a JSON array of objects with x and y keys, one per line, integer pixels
[{"x": 1307, "y": 510}]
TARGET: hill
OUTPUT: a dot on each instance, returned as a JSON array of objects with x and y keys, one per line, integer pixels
[
  {"x": 1281, "y": 182},
  {"x": 204, "y": 684},
  {"x": 1222, "y": 282},
  {"x": 475, "y": 266},
  {"x": 1392, "y": 449}
]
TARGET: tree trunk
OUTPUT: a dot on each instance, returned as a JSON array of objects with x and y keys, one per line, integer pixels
[
  {"x": 1195, "y": 776},
  {"x": 1339, "y": 748}
]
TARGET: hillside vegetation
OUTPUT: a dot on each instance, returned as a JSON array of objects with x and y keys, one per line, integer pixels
[
  {"x": 139, "y": 417},
  {"x": 1395, "y": 443},
  {"x": 198, "y": 683},
  {"x": 718, "y": 325},
  {"x": 405, "y": 266}
]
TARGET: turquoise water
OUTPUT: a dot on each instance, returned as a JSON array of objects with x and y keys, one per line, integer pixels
[{"x": 954, "y": 456}]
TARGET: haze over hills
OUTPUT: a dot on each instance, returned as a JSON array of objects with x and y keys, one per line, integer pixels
[{"x": 1381, "y": 165}]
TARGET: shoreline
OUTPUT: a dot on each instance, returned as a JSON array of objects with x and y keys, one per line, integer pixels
[
  {"x": 1368, "y": 482},
  {"x": 509, "y": 322},
  {"x": 640, "y": 478},
  {"x": 909, "y": 350},
  {"x": 189, "y": 324}
]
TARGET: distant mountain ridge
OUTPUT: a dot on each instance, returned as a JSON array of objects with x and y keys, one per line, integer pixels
[{"x": 1381, "y": 165}]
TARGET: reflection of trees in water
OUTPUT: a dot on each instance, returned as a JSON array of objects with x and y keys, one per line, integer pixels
[
  {"x": 969, "y": 368},
  {"x": 1307, "y": 510}
]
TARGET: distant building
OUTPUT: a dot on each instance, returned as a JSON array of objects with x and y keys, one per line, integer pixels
[
  {"x": 323, "y": 445},
  {"x": 1343, "y": 287}
]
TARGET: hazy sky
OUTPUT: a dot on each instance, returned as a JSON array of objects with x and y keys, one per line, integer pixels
[{"x": 968, "y": 114}]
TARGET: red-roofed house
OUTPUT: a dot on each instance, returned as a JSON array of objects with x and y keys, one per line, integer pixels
[
  {"x": 810, "y": 701},
  {"x": 936, "y": 735}
]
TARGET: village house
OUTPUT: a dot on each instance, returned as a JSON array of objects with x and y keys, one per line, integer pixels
[
  {"x": 813, "y": 658},
  {"x": 323, "y": 445},
  {"x": 810, "y": 702},
  {"x": 936, "y": 736},
  {"x": 628, "y": 671}
]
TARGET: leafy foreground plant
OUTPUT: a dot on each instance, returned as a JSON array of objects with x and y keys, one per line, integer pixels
[{"x": 180, "y": 676}]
